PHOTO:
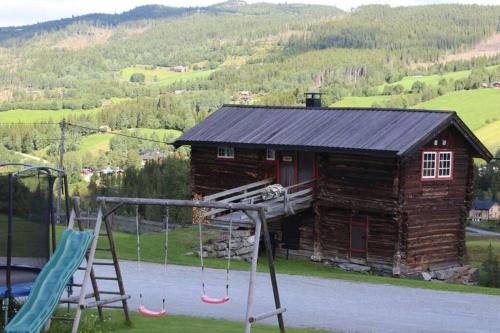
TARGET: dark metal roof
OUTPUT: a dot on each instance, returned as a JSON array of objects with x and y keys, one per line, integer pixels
[
  {"x": 377, "y": 130},
  {"x": 483, "y": 204}
]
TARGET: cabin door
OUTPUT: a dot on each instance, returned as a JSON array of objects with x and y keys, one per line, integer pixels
[
  {"x": 287, "y": 164},
  {"x": 358, "y": 238},
  {"x": 295, "y": 167}
]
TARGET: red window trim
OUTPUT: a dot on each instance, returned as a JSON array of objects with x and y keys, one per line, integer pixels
[
  {"x": 436, "y": 177},
  {"x": 225, "y": 158}
]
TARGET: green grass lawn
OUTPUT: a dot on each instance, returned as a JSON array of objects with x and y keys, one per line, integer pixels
[
  {"x": 477, "y": 247},
  {"x": 475, "y": 107},
  {"x": 115, "y": 323},
  {"x": 183, "y": 246},
  {"x": 163, "y": 75},
  {"x": 361, "y": 102}
]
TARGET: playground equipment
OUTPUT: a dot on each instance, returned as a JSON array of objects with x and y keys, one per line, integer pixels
[
  {"x": 27, "y": 226},
  {"x": 204, "y": 297},
  {"x": 255, "y": 212},
  {"x": 74, "y": 248},
  {"x": 142, "y": 309}
]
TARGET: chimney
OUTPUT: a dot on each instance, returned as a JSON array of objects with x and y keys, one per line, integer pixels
[{"x": 313, "y": 99}]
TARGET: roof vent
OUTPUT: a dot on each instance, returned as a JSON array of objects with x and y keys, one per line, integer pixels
[{"x": 313, "y": 99}]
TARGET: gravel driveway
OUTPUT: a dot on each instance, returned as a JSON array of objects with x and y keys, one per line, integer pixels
[{"x": 336, "y": 305}]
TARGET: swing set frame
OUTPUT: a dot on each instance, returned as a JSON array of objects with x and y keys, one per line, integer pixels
[{"x": 255, "y": 212}]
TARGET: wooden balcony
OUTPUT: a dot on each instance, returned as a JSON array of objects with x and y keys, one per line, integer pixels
[{"x": 294, "y": 199}]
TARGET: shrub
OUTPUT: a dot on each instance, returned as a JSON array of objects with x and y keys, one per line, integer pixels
[{"x": 490, "y": 273}]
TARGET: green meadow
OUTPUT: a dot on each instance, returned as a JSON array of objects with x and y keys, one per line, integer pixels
[
  {"x": 477, "y": 108},
  {"x": 163, "y": 75},
  {"x": 361, "y": 102},
  {"x": 432, "y": 80},
  {"x": 22, "y": 115}
]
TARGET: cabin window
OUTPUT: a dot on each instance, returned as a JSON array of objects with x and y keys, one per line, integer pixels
[
  {"x": 445, "y": 164},
  {"x": 437, "y": 165},
  {"x": 270, "y": 154},
  {"x": 225, "y": 152},
  {"x": 429, "y": 165}
]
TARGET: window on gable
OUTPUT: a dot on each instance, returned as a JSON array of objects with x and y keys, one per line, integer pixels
[
  {"x": 437, "y": 165},
  {"x": 270, "y": 154},
  {"x": 225, "y": 152},
  {"x": 444, "y": 164},
  {"x": 429, "y": 165}
]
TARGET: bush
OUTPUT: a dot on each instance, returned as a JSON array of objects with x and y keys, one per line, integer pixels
[
  {"x": 137, "y": 77},
  {"x": 490, "y": 273}
]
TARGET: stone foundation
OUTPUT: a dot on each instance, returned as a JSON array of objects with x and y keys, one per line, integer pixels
[{"x": 241, "y": 246}]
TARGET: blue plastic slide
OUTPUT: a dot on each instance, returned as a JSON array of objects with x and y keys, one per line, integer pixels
[{"x": 50, "y": 284}]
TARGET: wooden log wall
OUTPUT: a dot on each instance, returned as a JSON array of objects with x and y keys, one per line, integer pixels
[
  {"x": 354, "y": 188},
  {"x": 435, "y": 212},
  {"x": 211, "y": 174}
]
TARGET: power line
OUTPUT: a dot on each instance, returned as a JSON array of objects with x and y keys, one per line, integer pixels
[{"x": 121, "y": 134}]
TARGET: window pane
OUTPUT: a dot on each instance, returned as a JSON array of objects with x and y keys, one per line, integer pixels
[
  {"x": 444, "y": 164},
  {"x": 429, "y": 165}
]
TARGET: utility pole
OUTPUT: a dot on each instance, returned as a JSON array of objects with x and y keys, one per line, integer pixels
[{"x": 60, "y": 165}]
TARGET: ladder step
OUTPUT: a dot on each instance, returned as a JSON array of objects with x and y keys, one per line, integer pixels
[
  {"x": 63, "y": 318},
  {"x": 108, "y": 278},
  {"x": 74, "y": 299},
  {"x": 103, "y": 249},
  {"x": 109, "y": 292},
  {"x": 102, "y": 302},
  {"x": 79, "y": 285},
  {"x": 112, "y": 307},
  {"x": 82, "y": 268},
  {"x": 103, "y": 263}
]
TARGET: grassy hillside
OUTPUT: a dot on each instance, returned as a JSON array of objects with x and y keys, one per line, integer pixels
[
  {"x": 163, "y": 75},
  {"x": 431, "y": 80},
  {"x": 361, "y": 102},
  {"x": 490, "y": 135},
  {"x": 15, "y": 116},
  {"x": 475, "y": 107}
]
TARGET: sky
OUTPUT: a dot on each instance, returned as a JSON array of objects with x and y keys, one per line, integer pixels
[{"x": 21, "y": 12}]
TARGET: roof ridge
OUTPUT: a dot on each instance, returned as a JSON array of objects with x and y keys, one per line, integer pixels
[{"x": 256, "y": 106}]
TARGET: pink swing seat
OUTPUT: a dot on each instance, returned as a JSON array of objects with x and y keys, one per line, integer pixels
[
  {"x": 149, "y": 313},
  {"x": 209, "y": 300}
]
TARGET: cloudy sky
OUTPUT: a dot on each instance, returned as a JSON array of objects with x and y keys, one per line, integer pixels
[{"x": 21, "y": 12}]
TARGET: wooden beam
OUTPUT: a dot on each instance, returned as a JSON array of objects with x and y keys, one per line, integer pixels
[
  {"x": 178, "y": 203},
  {"x": 239, "y": 189}
]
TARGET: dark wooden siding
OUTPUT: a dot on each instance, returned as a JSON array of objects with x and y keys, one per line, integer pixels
[
  {"x": 434, "y": 212},
  {"x": 354, "y": 188},
  {"x": 211, "y": 175}
]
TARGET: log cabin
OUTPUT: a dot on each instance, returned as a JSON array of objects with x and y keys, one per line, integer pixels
[{"x": 391, "y": 188}]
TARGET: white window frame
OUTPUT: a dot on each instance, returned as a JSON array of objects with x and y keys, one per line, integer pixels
[
  {"x": 270, "y": 154},
  {"x": 424, "y": 168},
  {"x": 225, "y": 152},
  {"x": 449, "y": 168}
]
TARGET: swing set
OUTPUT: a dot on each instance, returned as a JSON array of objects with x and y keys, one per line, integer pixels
[{"x": 255, "y": 212}]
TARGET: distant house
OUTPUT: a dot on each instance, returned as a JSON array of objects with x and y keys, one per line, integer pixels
[
  {"x": 385, "y": 188},
  {"x": 87, "y": 173},
  {"x": 152, "y": 155},
  {"x": 106, "y": 171},
  {"x": 484, "y": 210},
  {"x": 244, "y": 96},
  {"x": 495, "y": 84},
  {"x": 104, "y": 129},
  {"x": 179, "y": 69}
]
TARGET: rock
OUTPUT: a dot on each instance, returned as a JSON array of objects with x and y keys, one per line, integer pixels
[
  {"x": 251, "y": 240},
  {"x": 426, "y": 276},
  {"x": 445, "y": 274},
  {"x": 354, "y": 267}
]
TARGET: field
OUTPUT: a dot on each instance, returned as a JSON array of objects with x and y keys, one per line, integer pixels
[
  {"x": 431, "y": 80},
  {"x": 115, "y": 323},
  {"x": 163, "y": 75},
  {"x": 29, "y": 116},
  {"x": 477, "y": 248},
  {"x": 490, "y": 135},
  {"x": 475, "y": 107}
]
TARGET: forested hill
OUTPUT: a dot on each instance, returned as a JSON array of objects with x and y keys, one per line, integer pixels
[
  {"x": 17, "y": 34},
  {"x": 160, "y": 70}
]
